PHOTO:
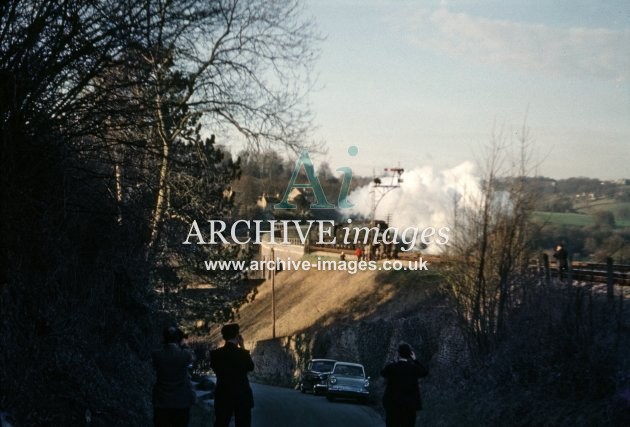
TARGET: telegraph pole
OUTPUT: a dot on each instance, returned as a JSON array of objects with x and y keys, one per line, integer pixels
[
  {"x": 378, "y": 186},
  {"x": 273, "y": 295}
]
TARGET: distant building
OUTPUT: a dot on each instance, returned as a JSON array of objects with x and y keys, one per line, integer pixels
[
  {"x": 587, "y": 196},
  {"x": 229, "y": 194},
  {"x": 297, "y": 197},
  {"x": 266, "y": 201}
]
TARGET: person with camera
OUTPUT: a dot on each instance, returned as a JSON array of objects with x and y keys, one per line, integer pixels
[
  {"x": 173, "y": 394},
  {"x": 402, "y": 392},
  {"x": 233, "y": 395}
]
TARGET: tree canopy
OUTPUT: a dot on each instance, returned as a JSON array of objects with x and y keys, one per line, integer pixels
[{"x": 109, "y": 115}]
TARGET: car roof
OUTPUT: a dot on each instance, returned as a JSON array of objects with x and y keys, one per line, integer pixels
[{"x": 349, "y": 363}]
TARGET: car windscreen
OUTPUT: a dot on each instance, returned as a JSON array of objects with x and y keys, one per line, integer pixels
[
  {"x": 349, "y": 371},
  {"x": 322, "y": 366}
]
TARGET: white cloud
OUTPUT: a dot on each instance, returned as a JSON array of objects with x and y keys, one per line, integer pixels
[{"x": 569, "y": 52}]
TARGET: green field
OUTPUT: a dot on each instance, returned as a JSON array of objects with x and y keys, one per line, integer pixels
[
  {"x": 575, "y": 219},
  {"x": 563, "y": 218},
  {"x": 588, "y": 207},
  {"x": 584, "y": 211}
]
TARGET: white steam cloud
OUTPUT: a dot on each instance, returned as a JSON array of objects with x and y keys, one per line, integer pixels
[{"x": 425, "y": 198}]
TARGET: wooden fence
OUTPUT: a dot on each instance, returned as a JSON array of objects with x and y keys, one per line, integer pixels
[{"x": 609, "y": 273}]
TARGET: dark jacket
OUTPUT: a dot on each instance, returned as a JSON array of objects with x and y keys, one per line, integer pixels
[
  {"x": 172, "y": 387},
  {"x": 231, "y": 365},
  {"x": 402, "y": 387},
  {"x": 563, "y": 258}
]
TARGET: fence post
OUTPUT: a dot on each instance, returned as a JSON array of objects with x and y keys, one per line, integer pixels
[
  {"x": 570, "y": 271},
  {"x": 609, "y": 278},
  {"x": 545, "y": 259}
]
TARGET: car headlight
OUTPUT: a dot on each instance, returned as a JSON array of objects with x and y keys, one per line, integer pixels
[
  {"x": 366, "y": 383},
  {"x": 332, "y": 379}
]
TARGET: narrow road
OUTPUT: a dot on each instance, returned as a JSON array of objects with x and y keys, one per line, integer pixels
[{"x": 282, "y": 407}]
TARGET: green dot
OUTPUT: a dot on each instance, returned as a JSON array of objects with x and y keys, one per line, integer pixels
[{"x": 353, "y": 150}]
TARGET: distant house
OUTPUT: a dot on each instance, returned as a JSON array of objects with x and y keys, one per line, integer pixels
[
  {"x": 266, "y": 202},
  {"x": 297, "y": 197},
  {"x": 229, "y": 194},
  {"x": 584, "y": 195}
]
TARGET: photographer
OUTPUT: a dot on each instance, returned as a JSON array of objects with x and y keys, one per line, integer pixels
[
  {"x": 402, "y": 392},
  {"x": 233, "y": 395},
  {"x": 173, "y": 393}
]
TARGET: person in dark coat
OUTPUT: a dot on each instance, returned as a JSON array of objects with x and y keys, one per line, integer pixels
[
  {"x": 402, "y": 392},
  {"x": 173, "y": 394},
  {"x": 233, "y": 395},
  {"x": 562, "y": 257}
]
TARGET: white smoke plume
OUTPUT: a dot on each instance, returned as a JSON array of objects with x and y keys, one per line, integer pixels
[{"x": 425, "y": 198}]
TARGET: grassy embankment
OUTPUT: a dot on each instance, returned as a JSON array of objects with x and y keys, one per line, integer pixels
[
  {"x": 307, "y": 298},
  {"x": 536, "y": 377}
]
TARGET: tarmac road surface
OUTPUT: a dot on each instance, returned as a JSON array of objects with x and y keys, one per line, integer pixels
[{"x": 283, "y": 407}]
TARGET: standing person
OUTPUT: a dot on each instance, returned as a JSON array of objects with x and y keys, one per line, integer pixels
[
  {"x": 172, "y": 393},
  {"x": 402, "y": 392},
  {"x": 562, "y": 257},
  {"x": 359, "y": 253},
  {"x": 233, "y": 395}
]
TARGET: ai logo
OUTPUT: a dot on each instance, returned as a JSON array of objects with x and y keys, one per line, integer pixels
[{"x": 314, "y": 184}]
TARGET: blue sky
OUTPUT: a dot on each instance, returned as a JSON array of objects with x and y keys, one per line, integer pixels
[{"x": 425, "y": 83}]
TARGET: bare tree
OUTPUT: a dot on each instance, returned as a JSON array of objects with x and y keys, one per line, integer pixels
[
  {"x": 489, "y": 250},
  {"x": 235, "y": 67}
]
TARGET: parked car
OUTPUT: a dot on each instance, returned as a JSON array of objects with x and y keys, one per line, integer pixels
[
  {"x": 315, "y": 375},
  {"x": 348, "y": 380}
]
